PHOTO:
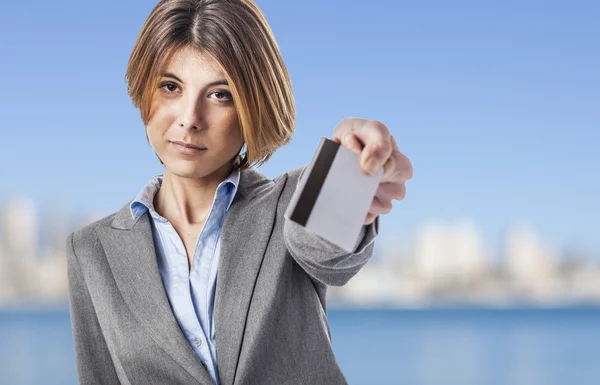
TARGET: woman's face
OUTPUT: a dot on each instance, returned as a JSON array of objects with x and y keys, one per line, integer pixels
[{"x": 194, "y": 105}]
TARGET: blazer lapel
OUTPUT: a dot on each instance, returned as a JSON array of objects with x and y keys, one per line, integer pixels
[
  {"x": 244, "y": 237},
  {"x": 129, "y": 248}
]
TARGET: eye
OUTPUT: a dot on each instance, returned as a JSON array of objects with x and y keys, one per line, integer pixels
[
  {"x": 169, "y": 87},
  {"x": 222, "y": 96}
]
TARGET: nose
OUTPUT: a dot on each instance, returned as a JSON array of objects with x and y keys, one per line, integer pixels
[{"x": 190, "y": 114}]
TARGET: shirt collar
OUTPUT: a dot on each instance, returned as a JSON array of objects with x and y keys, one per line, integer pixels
[{"x": 144, "y": 200}]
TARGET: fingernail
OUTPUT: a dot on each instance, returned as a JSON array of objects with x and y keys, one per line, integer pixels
[{"x": 372, "y": 165}]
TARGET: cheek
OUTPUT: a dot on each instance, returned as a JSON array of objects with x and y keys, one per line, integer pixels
[
  {"x": 151, "y": 133},
  {"x": 161, "y": 110},
  {"x": 160, "y": 119},
  {"x": 232, "y": 123}
]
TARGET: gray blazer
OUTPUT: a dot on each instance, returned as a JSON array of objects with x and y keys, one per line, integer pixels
[{"x": 270, "y": 312}]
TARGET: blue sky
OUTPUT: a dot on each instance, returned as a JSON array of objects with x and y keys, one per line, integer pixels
[{"x": 497, "y": 104}]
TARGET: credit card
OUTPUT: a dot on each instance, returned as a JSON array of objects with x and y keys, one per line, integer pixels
[{"x": 334, "y": 194}]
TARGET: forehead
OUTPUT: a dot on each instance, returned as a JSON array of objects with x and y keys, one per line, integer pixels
[{"x": 192, "y": 62}]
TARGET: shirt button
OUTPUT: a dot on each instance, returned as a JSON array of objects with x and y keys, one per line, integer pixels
[{"x": 198, "y": 341}]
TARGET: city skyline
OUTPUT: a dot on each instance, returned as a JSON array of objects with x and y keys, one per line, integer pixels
[
  {"x": 445, "y": 262},
  {"x": 71, "y": 219}
]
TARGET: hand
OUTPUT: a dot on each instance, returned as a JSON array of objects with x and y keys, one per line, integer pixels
[{"x": 377, "y": 147}]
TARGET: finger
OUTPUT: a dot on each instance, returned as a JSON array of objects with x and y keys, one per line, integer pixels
[
  {"x": 400, "y": 191},
  {"x": 347, "y": 138},
  {"x": 370, "y": 218},
  {"x": 389, "y": 168},
  {"x": 391, "y": 191},
  {"x": 394, "y": 144},
  {"x": 345, "y": 125},
  {"x": 405, "y": 167},
  {"x": 403, "y": 164},
  {"x": 350, "y": 141},
  {"x": 377, "y": 144},
  {"x": 380, "y": 206}
]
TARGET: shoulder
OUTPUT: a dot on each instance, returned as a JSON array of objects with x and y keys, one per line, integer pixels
[
  {"x": 290, "y": 178},
  {"x": 292, "y": 175},
  {"x": 289, "y": 181},
  {"x": 86, "y": 236},
  {"x": 254, "y": 184}
]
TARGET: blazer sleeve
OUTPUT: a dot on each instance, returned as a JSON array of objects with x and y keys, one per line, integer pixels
[
  {"x": 94, "y": 364},
  {"x": 324, "y": 261}
]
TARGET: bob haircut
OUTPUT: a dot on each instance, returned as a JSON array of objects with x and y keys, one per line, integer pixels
[{"x": 236, "y": 34}]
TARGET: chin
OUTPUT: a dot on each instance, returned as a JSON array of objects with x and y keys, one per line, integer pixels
[{"x": 186, "y": 169}]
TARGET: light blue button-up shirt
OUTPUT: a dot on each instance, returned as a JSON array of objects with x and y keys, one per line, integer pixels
[{"x": 191, "y": 291}]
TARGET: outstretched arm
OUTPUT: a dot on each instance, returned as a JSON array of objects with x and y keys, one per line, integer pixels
[{"x": 324, "y": 261}]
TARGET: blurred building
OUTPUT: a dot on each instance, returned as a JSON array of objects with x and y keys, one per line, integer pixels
[
  {"x": 32, "y": 267},
  {"x": 19, "y": 248},
  {"x": 5, "y": 289},
  {"x": 450, "y": 253},
  {"x": 51, "y": 270},
  {"x": 531, "y": 267},
  {"x": 448, "y": 264}
]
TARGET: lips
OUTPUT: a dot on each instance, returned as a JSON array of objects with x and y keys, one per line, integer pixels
[{"x": 190, "y": 145}]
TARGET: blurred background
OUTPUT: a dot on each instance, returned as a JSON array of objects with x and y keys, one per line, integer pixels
[{"x": 488, "y": 272}]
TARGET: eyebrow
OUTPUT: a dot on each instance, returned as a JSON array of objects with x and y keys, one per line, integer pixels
[{"x": 220, "y": 82}]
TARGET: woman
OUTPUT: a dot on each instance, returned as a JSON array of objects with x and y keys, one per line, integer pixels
[{"x": 146, "y": 304}]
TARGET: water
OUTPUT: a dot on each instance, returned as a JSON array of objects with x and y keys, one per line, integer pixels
[
  {"x": 469, "y": 346},
  {"x": 428, "y": 347}
]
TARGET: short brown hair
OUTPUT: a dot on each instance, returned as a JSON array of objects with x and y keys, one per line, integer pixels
[{"x": 237, "y": 35}]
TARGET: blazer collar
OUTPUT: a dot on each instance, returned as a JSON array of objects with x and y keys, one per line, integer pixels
[{"x": 129, "y": 246}]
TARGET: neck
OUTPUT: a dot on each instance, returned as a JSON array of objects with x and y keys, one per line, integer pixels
[{"x": 188, "y": 201}]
